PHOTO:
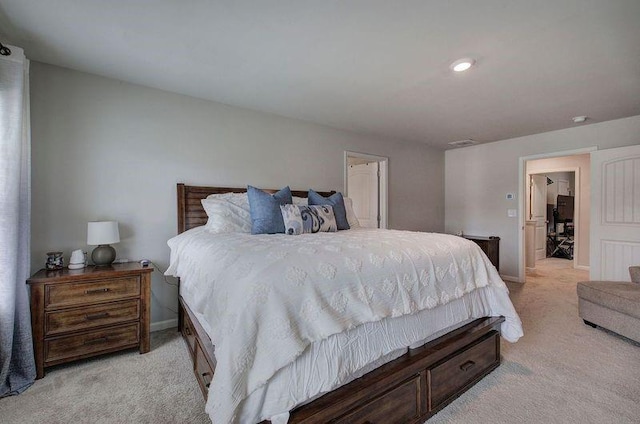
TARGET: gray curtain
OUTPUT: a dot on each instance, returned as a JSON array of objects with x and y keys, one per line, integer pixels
[{"x": 17, "y": 366}]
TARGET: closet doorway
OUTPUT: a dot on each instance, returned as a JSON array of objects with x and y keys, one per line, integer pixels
[{"x": 366, "y": 185}]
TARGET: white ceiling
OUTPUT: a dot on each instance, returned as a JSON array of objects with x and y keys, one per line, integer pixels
[{"x": 377, "y": 67}]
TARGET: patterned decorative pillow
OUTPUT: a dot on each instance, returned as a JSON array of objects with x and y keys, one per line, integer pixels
[
  {"x": 266, "y": 217},
  {"x": 337, "y": 201},
  {"x": 299, "y": 219}
]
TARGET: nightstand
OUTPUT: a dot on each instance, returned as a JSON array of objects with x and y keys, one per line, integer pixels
[
  {"x": 490, "y": 246},
  {"x": 77, "y": 314}
]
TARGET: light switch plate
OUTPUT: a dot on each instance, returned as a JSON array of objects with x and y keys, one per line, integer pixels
[{"x": 512, "y": 213}]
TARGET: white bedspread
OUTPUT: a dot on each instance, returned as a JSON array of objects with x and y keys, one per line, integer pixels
[{"x": 270, "y": 296}]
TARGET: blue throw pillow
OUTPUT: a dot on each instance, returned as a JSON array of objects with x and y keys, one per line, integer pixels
[
  {"x": 337, "y": 201},
  {"x": 266, "y": 217}
]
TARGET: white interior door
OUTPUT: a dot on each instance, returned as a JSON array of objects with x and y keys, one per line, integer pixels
[
  {"x": 539, "y": 213},
  {"x": 363, "y": 190},
  {"x": 615, "y": 212}
]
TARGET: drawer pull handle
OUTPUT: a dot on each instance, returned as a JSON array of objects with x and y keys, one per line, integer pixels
[
  {"x": 96, "y": 291},
  {"x": 96, "y": 341},
  {"x": 204, "y": 374},
  {"x": 467, "y": 365},
  {"x": 187, "y": 331},
  {"x": 97, "y": 316}
]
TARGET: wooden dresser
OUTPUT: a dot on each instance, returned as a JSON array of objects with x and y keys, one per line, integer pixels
[
  {"x": 76, "y": 314},
  {"x": 490, "y": 246}
]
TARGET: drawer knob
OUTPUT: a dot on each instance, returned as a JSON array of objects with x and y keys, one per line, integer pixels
[
  {"x": 97, "y": 316},
  {"x": 467, "y": 365},
  {"x": 96, "y": 291}
]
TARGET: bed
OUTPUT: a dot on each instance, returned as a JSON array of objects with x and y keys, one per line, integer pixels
[{"x": 409, "y": 365}]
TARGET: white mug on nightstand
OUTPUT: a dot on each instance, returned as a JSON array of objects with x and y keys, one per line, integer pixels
[{"x": 78, "y": 259}]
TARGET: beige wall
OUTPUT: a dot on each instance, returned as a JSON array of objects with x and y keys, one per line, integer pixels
[
  {"x": 477, "y": 179},
  {"x": 104, "y": 149},
  {"x": 583, "y": 164}
]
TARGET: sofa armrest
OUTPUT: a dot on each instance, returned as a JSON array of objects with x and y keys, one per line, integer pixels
[{"x": 634, "y": 272}]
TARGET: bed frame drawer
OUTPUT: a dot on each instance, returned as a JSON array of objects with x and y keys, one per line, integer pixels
[
  {"x": 203, "y": 370},
  {"x": 189, "y": 335},
  {"x": 400, "y": 405},
  {"x": 450, "y": 377}
]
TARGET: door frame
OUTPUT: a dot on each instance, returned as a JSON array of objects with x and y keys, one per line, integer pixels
[
  {"x": 522, "y": 177},
  {"x": 383, "y": 188}
]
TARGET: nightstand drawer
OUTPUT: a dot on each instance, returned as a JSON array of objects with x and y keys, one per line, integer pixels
[
  {"x": 104, "y": 340},
  {"x": 91, "y": 316},
  {"x": 61, "y": 295}
]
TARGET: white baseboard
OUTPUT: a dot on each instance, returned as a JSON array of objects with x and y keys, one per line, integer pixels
[
  {"x": 582, "y": 267},
  {"x": 510, "y": 278},
  {"x": 163, "y": 325}
]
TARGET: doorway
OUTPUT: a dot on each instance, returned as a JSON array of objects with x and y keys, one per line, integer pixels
[
  {"x": 551, "y": 214},
  {"x": 365, "y": 179},
  {"x": 547, "y": 228}
]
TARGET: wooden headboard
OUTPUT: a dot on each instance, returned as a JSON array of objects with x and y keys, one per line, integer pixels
[{"x": 191, "y": 214}]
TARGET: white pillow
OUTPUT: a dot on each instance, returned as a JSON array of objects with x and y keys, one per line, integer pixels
[
  {"x": 300, "y": 201},
  {"x": 228, "y": 213},
  {"x": 239, "y": 199},
  {"x": 352, "y": 219}
]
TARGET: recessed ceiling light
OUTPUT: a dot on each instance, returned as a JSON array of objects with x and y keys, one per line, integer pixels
[
  {"x": 579, "y": 119},
  {"x": 462, "y": 65}
]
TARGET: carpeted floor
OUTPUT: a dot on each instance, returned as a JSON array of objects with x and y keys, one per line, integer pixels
[{"x": 561, "y": 371}]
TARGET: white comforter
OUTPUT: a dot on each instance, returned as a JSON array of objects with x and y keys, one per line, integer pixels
[{"x": 271, "y": 296}]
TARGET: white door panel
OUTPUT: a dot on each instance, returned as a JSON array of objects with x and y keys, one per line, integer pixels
[
  {"x": 363, "y": 190},
  {"x": 615, "y": 212},
  {"x": 539, "y": 213}
]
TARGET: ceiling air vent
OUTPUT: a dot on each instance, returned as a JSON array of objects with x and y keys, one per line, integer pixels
[{"x": 462, "y": 143}]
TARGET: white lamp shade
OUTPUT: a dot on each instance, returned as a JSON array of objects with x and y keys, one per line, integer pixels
[{"x": 102, "y": 232}]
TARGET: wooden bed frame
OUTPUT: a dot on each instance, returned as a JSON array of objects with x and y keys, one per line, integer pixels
[{"x": 408, "y": 389}]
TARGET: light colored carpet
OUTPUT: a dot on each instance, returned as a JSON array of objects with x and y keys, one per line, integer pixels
[
  {"x": 125, "y": 387},
  {"x": 562, "y": 371}
]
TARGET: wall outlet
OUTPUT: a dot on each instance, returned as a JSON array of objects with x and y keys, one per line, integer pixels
[
  {"x": 512, "y": 213},
  {"x": 510, "y": 196}
]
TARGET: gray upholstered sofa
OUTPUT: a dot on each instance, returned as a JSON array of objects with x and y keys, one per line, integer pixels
[{"x": 614, "y": 305}]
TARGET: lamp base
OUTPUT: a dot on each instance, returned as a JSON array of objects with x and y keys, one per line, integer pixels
[{"x": 103, "y": 255}]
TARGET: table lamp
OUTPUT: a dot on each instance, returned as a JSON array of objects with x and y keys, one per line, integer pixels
[{"x": 102, "y": 234}]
